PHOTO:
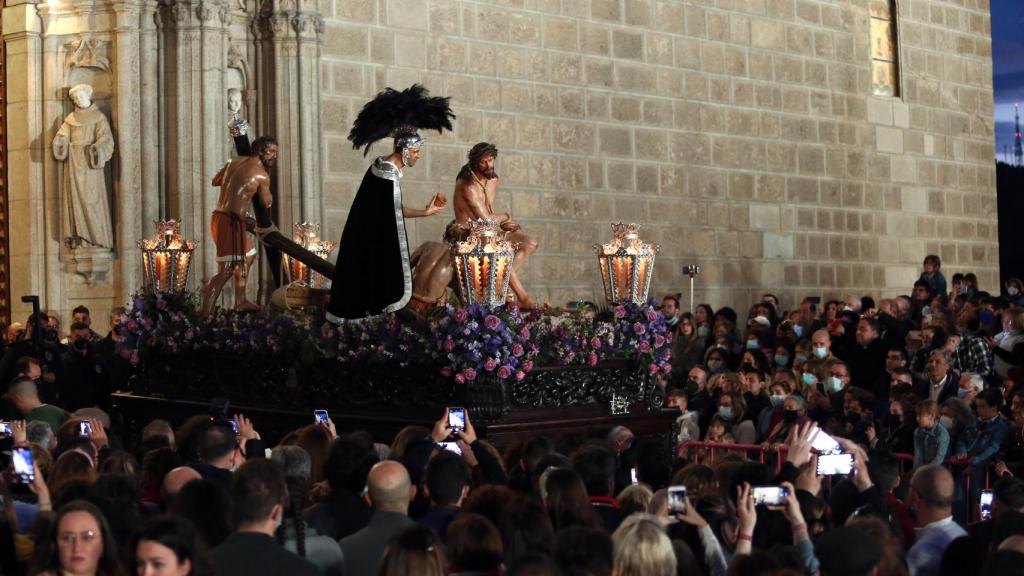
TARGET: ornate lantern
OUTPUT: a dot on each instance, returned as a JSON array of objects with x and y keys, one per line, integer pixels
[
  {"x": 307, "y": 235},
  {"x": 166, "y": 258},
  {"x": 483, "y": 263},
  {"x": 627, "y": 264}
]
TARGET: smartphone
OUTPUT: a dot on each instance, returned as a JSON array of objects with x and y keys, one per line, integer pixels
[
  {"x": 85, "y": 429},
  {"x": 769, "y": 495},
  {"x": 23, "y": 465},
  {"x": 457, "y": 419},
  {"x": 986, "y": 504},
  {"x": 825, "y": 444},
  {"x": 632, "y": 476},
  {"x": 5, "y": 429},
  {"x": 835, "y": 464},
  {"x": 234, "y": 426},
  {"x": 677, "y": 499},
  {"x": 450, "y": 446},
  {"x": 320, "y": 416}
]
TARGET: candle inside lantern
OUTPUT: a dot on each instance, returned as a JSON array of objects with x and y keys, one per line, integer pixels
[{"x": 625, "y": 265}]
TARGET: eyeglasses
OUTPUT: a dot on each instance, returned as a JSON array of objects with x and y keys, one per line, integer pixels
[{"x": 69, "y": 538}]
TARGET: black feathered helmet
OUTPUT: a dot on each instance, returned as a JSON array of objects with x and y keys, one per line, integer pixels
[{"x": 400, "y": 115}]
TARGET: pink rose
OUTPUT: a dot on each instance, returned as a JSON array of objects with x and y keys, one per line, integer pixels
[
  {"x": 446, "y": 372},
  {"x": 460, "y": 379},
  {"x": 639, "y": 328},
  {"x": 668, "y": 337},
  {"x": 517, "y": 350},
  {"x": 525, "y": 332},
  {"x": 659, "y": 340},
  {"x": 644, "y": 346},
  {"x": 492, "y": 322},
  {"x": 161, "y": 304},
  {"x": 528, "y": 365},
  {"x": 620, "y": 312},
  {"x": 595, "y": 342},
  {"x": 490, "y": 365},
  {"x": 520, "y": 375},
  {"x": 134, "y": 359},
  {"x": 504, "y": 372},
  {"x": 592, "y": 359},
  {"x": 449, "y": 345},
  {"x": 651, "y": 315},
  {"x": 666, "y": 368},
  {"x": 461, "y": 315},
  {"x": 653, "y": 368},
  {"x": 470, "y": 374}
]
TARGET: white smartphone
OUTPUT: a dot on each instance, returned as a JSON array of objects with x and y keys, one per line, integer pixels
[
  {"x": 986, "y": 504},
  {"x": 835, "y": 464},
  {"x": 825, "y": 444},
  {"x": 677, "y": 499},
  {"x": 632, "y": 476}
]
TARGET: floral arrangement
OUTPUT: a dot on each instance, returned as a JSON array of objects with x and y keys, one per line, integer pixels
[
  {"x": 479, "y": 341},
  {"x": 463, "y": 344}
]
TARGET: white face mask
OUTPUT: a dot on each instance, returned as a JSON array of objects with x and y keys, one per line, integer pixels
[
  {"x": 946, "y": 422},
  {"x": 1013, "y": 290}
]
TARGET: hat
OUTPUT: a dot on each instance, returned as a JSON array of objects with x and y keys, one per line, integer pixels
[{"x": 846, "y": 551}]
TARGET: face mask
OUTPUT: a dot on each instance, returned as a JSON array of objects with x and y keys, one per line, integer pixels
[
  {"x": 692, "y": 387},
  {"x": 777, "y": 400},
  {"x": 672, "y": 321},
  {"x": 852, "y": 417},
  {"x": 961, "y": 392},
  {"x": 50, "y": 335},
  {"x": 847, "y": 309},
  {"x": 892, "y": 420},
  {"x": 902, "y": 390},
  {"x": 702, "y": 331},
  {"x": 820, "y": 352},
  {"x": 808, "y": 378},
  {"x": 986, "y": 317},
  {"x": 81, "y": 345},
  {"x": 835, "y": 384},
  {"x": 725, "y": 412},
  {"x": 798, "y": 330},
  {"x": 1012, "y": 290},
  {"x": 753, "y": 344},
  {"x": 926, "y": 311},
  {"x": 781, "y": 360},
  {"x": 946, "y": 422},
  {"x": 715, "y": 365},
  {"x": 801, "y": 357},
  {"x": 790, "y": 416}
]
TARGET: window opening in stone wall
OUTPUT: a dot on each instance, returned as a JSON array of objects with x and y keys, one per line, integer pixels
[{"x": 885, "y": 66}]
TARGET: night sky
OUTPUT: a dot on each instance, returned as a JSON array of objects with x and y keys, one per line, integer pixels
[{"x": 1008, "y": 67}]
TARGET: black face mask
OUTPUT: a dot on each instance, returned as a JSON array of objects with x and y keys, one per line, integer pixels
[
  {"x": 852, "y": 417},
  {"x": 790, "y": 416},
  {"x": 892, "y": 420},
  {"x": 50, "y": 335},
  {"x": 692, "y": 387},
  {"x": 902, "y": 390},
  {"x": 81, "y": 345}
]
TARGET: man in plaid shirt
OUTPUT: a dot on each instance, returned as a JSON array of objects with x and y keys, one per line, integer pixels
[{"x": 973, "y": 355}]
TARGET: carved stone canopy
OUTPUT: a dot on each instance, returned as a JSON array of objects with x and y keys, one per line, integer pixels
[{"x": 86, "y": 52}]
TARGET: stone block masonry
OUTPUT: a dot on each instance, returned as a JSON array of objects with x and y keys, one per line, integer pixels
[{"x": 743, "y": 135}]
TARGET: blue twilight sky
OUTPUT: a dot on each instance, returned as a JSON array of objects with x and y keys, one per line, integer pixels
[{"x": 1008, "y": 66}]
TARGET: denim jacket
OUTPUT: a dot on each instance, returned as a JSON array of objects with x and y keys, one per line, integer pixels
[{"x": 930, "y": 445}]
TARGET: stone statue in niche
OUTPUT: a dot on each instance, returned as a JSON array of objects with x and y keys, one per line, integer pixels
[
  {"x": 238, "y": 126},
  {"x": 87, "y": 144}
]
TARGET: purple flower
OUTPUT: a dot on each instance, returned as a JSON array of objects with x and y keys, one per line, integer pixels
[
  {"x": 492, "y": 322},
  {"x": 592, "y": 359},
  {"x": 461, "y": 315},
  {"x": 470, "y": 374},
  {"x": 517, "y": 350},
  {"x": 504, "y": 372},
  {"x": 490, "y": 364},
  {"x": 639, "y": 328}
]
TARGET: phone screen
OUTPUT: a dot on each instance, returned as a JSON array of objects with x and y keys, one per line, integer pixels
[
  {"x": 632, "y": 476},
  {"x": 835, "y": 464},
  {"x": 451, "y": 447},
  {"x": 769, "y": 495},
  {"x": 825, "y": 444},
  {"x": 986, "y": 504},
  {"x": 85, "y": 429},
  {"x": 234, "y": 426},
  {"x": 5, "y": 429},
  {"x": 320, "y": 416},
  {"x": 23, "y": 465},
  {"x": 457, "y": 419},
  {"x": 677, "y": 499}
]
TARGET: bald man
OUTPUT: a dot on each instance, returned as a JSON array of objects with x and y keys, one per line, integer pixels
[
  {"x": 174, "y": 481},
  {"x": 931, "y": 498},
  {"x": 822, "y": 359},
  {"x": 388, "y": 491}
]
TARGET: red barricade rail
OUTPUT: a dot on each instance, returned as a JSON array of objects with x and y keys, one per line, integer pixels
[{"x": 704, "y": 452}]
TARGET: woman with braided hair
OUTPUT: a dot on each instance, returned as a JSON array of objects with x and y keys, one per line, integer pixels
[{"x": 293, "y": 533}]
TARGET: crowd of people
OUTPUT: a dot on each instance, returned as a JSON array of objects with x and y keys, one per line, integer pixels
[{"x": 921, "y": 394}]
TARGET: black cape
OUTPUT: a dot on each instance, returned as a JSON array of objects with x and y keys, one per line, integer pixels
[{"x": 372, "y": 274}]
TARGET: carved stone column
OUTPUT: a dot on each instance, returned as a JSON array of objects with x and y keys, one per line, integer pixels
[
  {"x": 289, "y": 34},
  {"x": 194, "y": 117},
  {"x": 22, "y": 32}
]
